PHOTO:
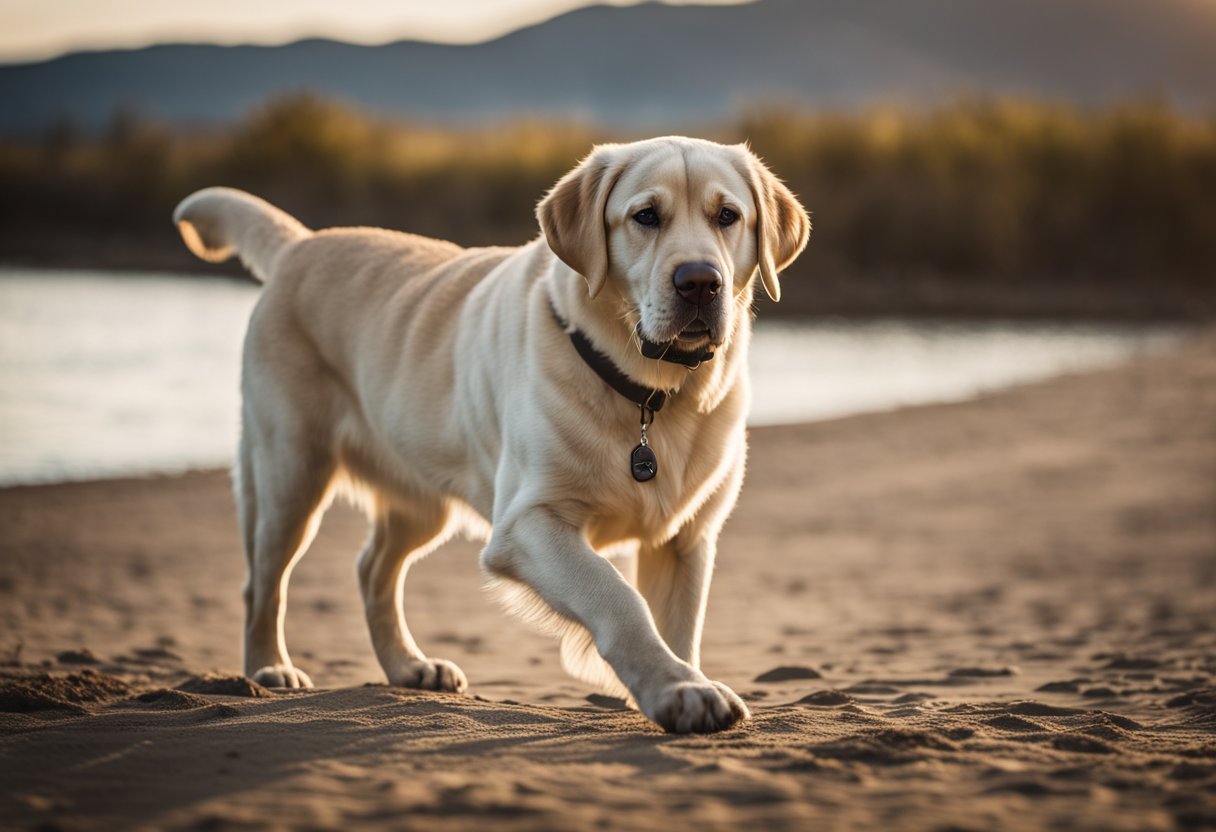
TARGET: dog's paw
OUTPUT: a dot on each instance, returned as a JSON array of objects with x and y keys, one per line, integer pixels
[
  {"x": 695, "y": 707},
  {"x": 429, "y": 674},
  {"x": 282, "y": 676}
]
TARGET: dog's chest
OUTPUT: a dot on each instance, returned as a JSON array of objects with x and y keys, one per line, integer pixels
[{"x": 690, "y": 468}]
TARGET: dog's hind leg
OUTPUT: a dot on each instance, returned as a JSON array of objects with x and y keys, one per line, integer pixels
[
  {"x": 399, "y": 537},
  {"x": 281, "y": 495}
]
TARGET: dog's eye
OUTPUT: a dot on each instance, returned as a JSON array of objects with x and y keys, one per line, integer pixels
[
  {"x": 646, "y": 216},
  {"x": 727, "y": 217}
]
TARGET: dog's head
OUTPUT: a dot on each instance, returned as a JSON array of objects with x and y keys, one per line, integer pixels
[{"x": 675, "y": 228}]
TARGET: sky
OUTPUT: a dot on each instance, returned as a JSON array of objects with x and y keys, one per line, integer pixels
[{"x": 37, "y": 29}]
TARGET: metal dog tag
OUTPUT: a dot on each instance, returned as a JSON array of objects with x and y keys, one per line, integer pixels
[{"x": 643, "y": 463}]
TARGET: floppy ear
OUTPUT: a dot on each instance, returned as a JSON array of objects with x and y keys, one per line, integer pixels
[
  {"x": 572, "y": 215},
  {"x": 782, "y": 225}
]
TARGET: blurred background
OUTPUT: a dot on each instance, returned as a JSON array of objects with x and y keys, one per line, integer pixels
[{"x": 1001, "y": 189}]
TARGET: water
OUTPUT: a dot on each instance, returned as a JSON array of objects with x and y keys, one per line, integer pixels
[
  {"x": 111, "y": 375},
  {"x": 809, "y": 371}
]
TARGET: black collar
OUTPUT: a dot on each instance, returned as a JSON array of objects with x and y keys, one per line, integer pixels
[
  {"x": 643, "y": 463},
  {"x": 647, "y": 398}
]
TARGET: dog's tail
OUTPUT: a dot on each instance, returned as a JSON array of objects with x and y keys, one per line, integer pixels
[{"x": 219, "y": 222}]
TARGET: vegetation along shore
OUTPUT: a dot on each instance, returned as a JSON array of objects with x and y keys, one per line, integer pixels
[{"x": 986, "y": 207}]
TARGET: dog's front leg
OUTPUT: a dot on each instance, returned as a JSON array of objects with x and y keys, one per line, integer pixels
[
  {"x": 674, "y": 579},
  {"x": 552, "y": 557}
]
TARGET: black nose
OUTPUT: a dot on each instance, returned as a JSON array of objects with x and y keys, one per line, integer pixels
[{"x": 698, "y": 283}]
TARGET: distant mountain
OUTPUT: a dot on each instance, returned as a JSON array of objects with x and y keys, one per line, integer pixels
[{"x": 655, "y": 64}]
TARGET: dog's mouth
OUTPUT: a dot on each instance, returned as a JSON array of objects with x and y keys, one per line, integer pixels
[
  {"x": 693, "y": 336},
  {"x": 695, "y": 332},
  {"x": 691, "y": 330}
]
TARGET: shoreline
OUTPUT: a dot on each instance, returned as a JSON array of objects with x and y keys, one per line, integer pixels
[{"x": 939, "y": 362}]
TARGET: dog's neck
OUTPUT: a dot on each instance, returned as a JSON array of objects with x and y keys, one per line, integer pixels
[{"x": 609, "y": 324}]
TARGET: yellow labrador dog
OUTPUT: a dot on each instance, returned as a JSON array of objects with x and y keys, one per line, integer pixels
[{"x": 581, "y": 392}]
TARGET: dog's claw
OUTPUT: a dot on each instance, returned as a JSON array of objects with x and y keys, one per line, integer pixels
[
  {"x": 282, "y": 676},
  {"x": 697, "y": 707},
  {"x": 430, "y": 674}
]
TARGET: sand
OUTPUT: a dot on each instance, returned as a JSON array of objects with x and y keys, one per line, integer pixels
[{"x": 994, "y": 614}]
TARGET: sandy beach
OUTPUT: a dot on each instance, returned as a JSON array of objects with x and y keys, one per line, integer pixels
[{"x": 997, "y": 614}]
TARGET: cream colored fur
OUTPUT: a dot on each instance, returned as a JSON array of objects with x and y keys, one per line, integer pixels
[{"x": 436, "y": 383}]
